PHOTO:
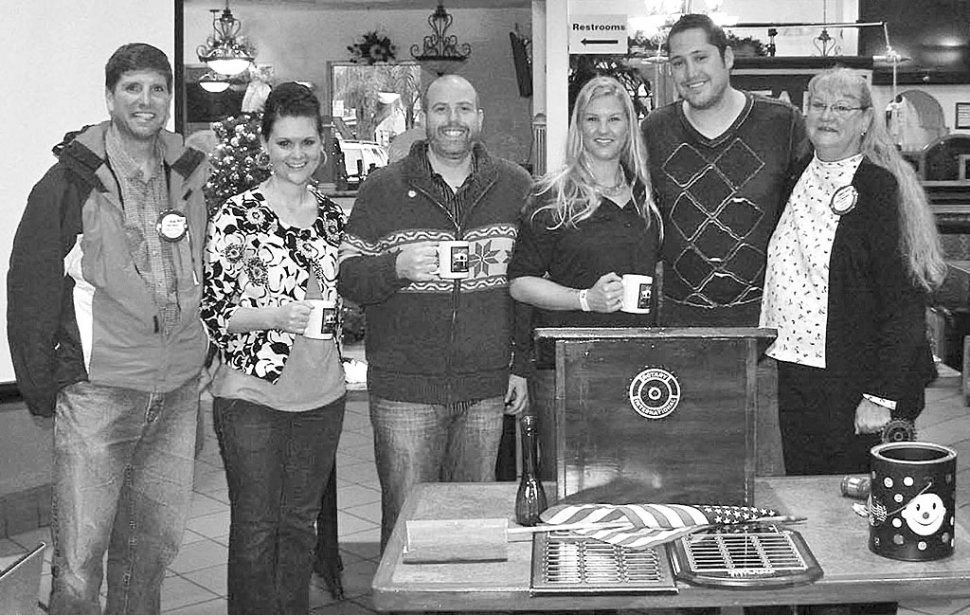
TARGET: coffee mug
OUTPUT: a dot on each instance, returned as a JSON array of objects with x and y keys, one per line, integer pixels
[
  {"x": 323, "y": 319},
  {"x": 452, "y": 260},
  {"x": 637, "y": 291}
]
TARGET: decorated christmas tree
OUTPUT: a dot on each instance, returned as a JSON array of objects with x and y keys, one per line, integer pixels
[{"x": 236, "y": 164}]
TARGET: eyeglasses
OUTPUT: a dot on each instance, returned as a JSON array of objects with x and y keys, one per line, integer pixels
[{"x": 839, "y": 110}]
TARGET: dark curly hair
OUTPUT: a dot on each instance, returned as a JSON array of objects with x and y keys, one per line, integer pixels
[
  {"x": 290, "y": 99},
  {"x": 133, "y": 57}
]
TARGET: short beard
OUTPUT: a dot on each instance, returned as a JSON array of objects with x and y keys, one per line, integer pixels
[{"x": 434, "y": 145}]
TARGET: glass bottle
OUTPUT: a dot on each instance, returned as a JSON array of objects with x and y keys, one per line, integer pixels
[{"x": 530, "y": 499}]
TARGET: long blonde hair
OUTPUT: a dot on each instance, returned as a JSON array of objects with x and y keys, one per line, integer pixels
[
  {"x": 919, "y": 239},
  {"x": 574, "y": 186}
]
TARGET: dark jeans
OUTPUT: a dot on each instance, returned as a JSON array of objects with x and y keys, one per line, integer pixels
[{"x": 276, "y": 464}]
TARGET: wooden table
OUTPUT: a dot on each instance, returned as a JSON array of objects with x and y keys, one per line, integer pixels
[{"x": 836, "y": 536}]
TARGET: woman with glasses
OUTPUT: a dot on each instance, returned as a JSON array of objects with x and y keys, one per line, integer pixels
[{"x": 849, "y": 267}]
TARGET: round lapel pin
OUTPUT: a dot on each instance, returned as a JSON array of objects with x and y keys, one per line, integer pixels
[
  {"x": 844, "y": 200},
  {"x": 172, "y": 225}
]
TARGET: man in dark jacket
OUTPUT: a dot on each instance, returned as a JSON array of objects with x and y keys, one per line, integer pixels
[
  {"x": 438, "y": 350},
  {"x": 103, "y": 322}
]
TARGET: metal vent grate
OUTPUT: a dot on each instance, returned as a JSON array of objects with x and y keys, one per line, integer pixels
[
  {"x": 764, "y": 557},
  {"x": 564, "y": 563}
]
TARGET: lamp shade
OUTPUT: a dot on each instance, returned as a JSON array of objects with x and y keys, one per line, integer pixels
[
  {"x": 214, "y": 86},
  {"x": 212, "y": 82},
  {"x": 229, "y": 66}
]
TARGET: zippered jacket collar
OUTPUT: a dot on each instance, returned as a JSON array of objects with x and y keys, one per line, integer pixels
[
  {"x": 84, "y": 153},
  {"x": 416, "y": 165}
]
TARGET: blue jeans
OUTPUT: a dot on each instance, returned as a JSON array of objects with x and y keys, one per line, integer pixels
[
  {"x": 426, "y": 443},
  {"x": 277, "y": 464},
  {"x": 123, "y": 464}
]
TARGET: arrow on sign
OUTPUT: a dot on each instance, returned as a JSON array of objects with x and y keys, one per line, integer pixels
[{"x": 599, "y": 41}]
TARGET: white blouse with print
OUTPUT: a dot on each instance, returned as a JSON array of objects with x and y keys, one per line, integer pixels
[{"x": 796, "y": 294}]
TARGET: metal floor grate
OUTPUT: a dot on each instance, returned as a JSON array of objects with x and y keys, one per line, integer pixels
[
  {"x": 563, "y": 563},
  {"x": 763, "y": 557}
]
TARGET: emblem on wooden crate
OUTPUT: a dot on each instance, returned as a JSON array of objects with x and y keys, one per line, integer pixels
[{"x": 654, "y": 393}]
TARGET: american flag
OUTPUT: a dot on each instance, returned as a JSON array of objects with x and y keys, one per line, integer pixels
[{"x": 651, "y": 524}]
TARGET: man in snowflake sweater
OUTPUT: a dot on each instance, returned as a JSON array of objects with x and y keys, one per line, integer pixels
[{"x": 439, "y": 351}]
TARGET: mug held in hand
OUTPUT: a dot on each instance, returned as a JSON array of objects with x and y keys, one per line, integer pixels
[
  {"x": 637, "y": 292},
  {"x": 453, "y": 259},
  {"x": 323, "y": 319}
]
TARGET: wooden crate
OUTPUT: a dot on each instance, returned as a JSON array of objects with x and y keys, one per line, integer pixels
[{"x": 610, "y": 384}]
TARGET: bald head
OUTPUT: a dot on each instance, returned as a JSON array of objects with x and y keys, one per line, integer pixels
[
  {"x": 449, "y": 82},
  {"x": 453, "y": 120}
]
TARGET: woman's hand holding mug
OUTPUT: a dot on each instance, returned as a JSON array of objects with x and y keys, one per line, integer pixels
[
  {"x": 292, "y": 317},
  {"x": 606, "y": 296}
]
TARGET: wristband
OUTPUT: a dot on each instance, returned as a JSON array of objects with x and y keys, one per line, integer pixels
[
  {"x": 879, "y": 401},
  {"x": 583, "y": 302}
]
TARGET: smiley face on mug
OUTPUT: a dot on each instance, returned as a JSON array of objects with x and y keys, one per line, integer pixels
[{"x": 924, "y": 514}]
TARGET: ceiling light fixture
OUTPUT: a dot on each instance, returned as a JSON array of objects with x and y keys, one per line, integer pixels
[
  {"x": 214, "y": 82},
  {"x": 441, "y": 53},
  {"x": 225, "y": 52}
]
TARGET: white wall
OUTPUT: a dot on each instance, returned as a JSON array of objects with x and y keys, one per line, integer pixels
[
  {"x": 53, "y": 53},
  {"x": 299, "y": 41}
]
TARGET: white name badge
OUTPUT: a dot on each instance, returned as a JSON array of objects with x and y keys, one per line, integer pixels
[{"x": 172, "y": 225}]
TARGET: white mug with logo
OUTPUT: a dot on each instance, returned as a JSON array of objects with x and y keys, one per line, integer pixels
[
  {"x": 453, "y": 260},
  {"x": 323, "y": 319},
  {"x": 637, "y": 292}
]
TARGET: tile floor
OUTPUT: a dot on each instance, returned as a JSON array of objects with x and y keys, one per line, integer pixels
[{"x": 196, "y": 582}]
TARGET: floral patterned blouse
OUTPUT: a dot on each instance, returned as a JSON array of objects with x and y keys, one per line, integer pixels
[{"x": 254, "y": 260}]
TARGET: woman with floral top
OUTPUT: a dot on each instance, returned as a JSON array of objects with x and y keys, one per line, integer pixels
[{"x": 279, "y": 395}]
